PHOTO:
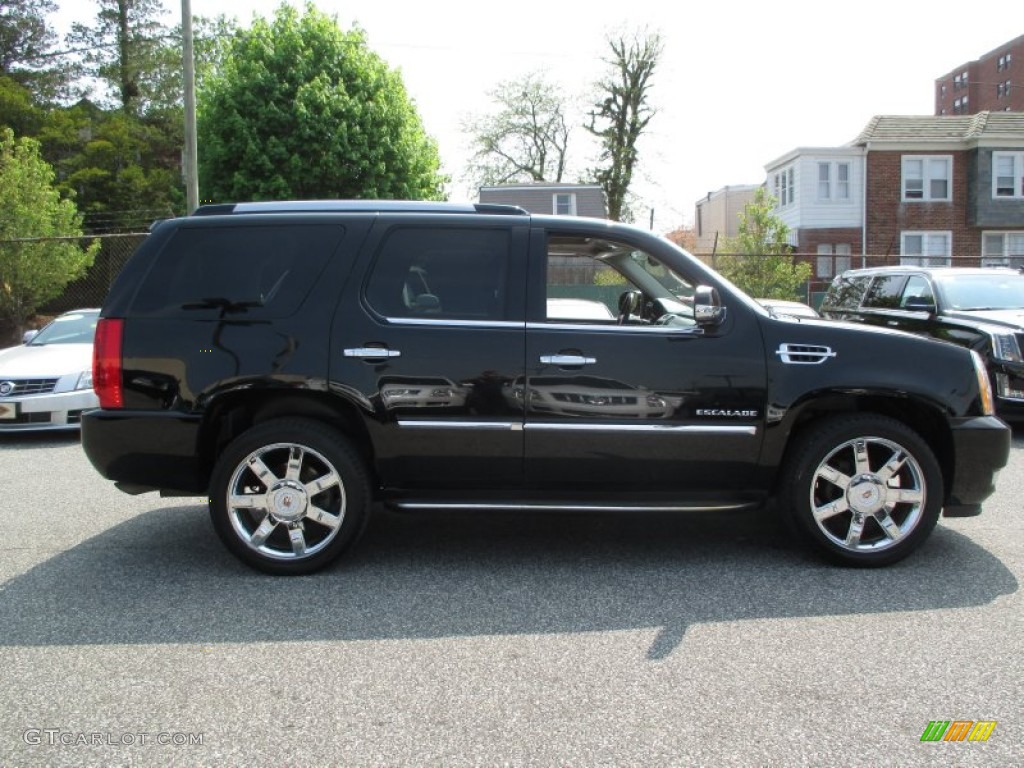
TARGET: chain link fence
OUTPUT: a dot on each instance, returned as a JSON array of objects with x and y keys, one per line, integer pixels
[{"x": 89, "y": 290}]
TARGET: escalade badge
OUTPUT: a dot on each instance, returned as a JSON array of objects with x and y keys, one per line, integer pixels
[
  {"x": 728, "y": 413},
  {"x": 6, "y": 387}
]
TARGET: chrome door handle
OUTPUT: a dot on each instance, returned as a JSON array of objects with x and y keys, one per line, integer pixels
[
  {"x": 567, "y": 360},
  {"x": 372, "y": 353}
]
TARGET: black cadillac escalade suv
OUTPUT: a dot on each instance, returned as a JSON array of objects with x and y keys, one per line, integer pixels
[{"x": 297, "y": 361}]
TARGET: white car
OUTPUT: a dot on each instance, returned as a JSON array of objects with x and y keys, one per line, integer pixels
[{"x": 46, "y": 383}]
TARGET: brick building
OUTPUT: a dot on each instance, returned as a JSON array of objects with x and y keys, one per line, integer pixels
[
  {"x": 994, "y": 82},
  {"x": 919, "y": 189},
  {"x": 943, "y": 189}
]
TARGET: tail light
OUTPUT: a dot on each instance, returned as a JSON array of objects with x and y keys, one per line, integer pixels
[{"x": 106, "y": 362}]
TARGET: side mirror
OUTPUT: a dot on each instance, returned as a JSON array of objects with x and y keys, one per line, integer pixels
[
  {"x": 28, "y": 336},
  {"x": 708, "y": 311},
  {"x": 629, "y": 305}
]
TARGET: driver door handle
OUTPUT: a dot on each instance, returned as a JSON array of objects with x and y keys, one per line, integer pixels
[
  {"x": 372, "y": 353},
  {"x": 567, "y": 360}
]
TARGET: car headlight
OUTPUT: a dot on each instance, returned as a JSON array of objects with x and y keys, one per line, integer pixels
[
  {"x": 984, "y": 385},
  {"x": 84, "y": 380},
  {"x": 1005, "y": 347}
]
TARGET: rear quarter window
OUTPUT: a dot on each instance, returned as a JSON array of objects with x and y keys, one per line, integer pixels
[
  {"x": 845, "y": 292},
  {"x": 262, "y": 270}
]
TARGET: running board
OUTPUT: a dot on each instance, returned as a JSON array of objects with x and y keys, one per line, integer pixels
[{"x": 564, "y": 507}]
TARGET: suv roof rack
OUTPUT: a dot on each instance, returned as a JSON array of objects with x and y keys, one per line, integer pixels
[{"x": 357, "y": 206}]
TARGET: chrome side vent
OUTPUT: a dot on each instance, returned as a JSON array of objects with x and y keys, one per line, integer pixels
[{"x": 804, "y": 354}]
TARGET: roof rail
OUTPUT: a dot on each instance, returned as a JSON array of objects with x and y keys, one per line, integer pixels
[{"x": 357, "y": 206}]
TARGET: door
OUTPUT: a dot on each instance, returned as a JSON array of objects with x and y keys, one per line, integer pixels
[
  {"x": 426, "y": 344},
  {"x": 623, "y": 391}
]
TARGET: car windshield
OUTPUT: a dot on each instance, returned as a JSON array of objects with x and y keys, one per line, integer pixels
[
  {"x": 72, "y": 328},
  {"x": 967, "y": 292}
]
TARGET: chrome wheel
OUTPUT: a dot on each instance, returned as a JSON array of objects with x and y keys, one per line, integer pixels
[
  {"x": 868, "y": 494},
  {"x": 864, "y": 489},
  {"x": 286, "y": 501}
]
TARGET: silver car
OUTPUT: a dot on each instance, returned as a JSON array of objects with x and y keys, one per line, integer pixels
[{"x": 46, "y": 383}]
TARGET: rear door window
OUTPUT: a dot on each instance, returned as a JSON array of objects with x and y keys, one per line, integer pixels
[
  {"x": 884, "y": 292},
  {"x": 261, "y": 271},
  {"x": 441, "y": 273}
]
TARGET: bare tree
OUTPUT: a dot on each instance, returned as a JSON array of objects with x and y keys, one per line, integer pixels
[
  {"x": 527, "y": 139},
  {"x": 623, "y": 113}
]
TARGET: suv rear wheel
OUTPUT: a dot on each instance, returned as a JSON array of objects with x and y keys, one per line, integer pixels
[
  {"x": 289, "y": 496},
  {"x": 865, "y": 488}
]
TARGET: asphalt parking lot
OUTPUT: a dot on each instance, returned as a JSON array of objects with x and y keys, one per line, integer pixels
[{"x": 128, "y": 636}]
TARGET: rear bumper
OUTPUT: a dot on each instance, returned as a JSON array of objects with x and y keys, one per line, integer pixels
[
  {"x": 144, "y": 450},
  {"x": 982, "y": 448}
]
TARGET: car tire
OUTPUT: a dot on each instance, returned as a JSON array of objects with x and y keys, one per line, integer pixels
[
  {"x": 864, "y": 489},
  {"x": 289, "y": 496}
]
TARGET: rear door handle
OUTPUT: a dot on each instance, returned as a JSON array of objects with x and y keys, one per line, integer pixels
[
  {"x": 372, "y": 353},
  {"x": 567, "y": 361}
]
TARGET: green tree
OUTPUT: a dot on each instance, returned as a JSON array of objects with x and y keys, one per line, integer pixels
[
  {"x": 17, "y": 108},
  {"x": 131, "y": 51},
  {"x": 526, "y": 139},
  {"x": 26, "y": 46},
  {"x": 622, "y": 114},
  {"x": 303, "y": 110},
  {"x": 762, "y": 264},
  {"x": 34, "y": 265}
]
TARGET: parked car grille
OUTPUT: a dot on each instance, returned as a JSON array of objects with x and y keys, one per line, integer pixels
[
  {"x": 28, "y": 387},
  {"x": 572, "y": 397}
]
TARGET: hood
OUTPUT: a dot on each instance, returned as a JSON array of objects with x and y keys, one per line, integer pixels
[
  {"x": 48, "y": 361},
  {"x": 1009, "y": 318}
]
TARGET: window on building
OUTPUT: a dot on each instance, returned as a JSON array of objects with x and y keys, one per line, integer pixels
[
  {"x": 842, "y": 181},
  {"x": 785, "y": 189},
  {"x": 956, "y": 82},
  {"x": 843, "y": 257},
  {"x": 824, "y": 264},
  {"x": 999, "y": 90},
  {"x": 925, "y": 249},
  {"x": 833, "y": 259},
  {"x": 1004, "y": 62},
  {"x": 927, "y": 177},
  {"x": 1008, "y": 175},
  {"x": 1002, "y": 249},
  {"x": 833, "y": 181},
  {"x": 564, "y": 204}
]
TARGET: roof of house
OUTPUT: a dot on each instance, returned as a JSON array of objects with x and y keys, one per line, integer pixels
[
  {"x": 543, "y": 185},
  {"x": 943, "y": 128}
]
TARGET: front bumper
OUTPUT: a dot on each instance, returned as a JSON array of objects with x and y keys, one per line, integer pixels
[
  {"x": 981, "y": 447},
  {"x": 146, "y": 451},
  {"x": 52, "y": 411}
]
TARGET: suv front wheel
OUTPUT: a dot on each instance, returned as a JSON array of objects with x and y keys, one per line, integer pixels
[
  {"x": 289, "y": 496},
  {"x": 864, "y": 488}
]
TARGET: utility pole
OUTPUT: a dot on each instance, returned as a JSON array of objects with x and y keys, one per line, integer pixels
[{"x": 191, "y": 156}]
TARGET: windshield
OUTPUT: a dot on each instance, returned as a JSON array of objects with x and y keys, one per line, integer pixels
[
  {"x": 72, "y": 328},
  {"x": 993, "y": 291}
]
